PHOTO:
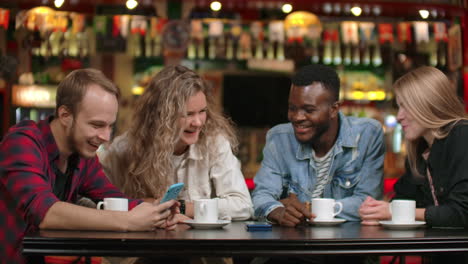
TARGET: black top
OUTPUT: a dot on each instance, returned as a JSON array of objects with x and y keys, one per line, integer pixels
[
  {"x": 448, "y": 164},
  {"x": 63, "y": 180}
]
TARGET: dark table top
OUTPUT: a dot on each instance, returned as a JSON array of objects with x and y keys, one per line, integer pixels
[{"x": 234, "y": 240}]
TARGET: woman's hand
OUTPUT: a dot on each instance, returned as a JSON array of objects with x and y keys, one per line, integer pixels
[
  {"x": 371, "y": 211},
  {"x": 149, "y": 216},
  {"x": 181, "y": 218}
]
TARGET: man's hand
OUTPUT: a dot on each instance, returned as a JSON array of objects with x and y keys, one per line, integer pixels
[
  {"x": 293, "y": 212},
  {"x": 147, "y": 216},
  {"x": 371, "y": 211}
]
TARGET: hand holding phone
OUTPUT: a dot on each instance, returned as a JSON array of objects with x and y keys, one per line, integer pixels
[{"x": 173, "y": 192}]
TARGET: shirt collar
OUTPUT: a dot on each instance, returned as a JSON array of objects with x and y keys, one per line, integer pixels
[
  {"x": 194, "y": 152},
  {"x": 346, "y": 136}
]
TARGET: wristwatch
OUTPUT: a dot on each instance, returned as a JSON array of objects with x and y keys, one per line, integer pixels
[{"x": 182, "y": 206}]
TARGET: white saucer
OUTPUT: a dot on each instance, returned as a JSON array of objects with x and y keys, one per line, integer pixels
[
  {"x": 200, "y": 225},
  {"x": 334, "y": 221},
  {"x": 391, "y": 225}
]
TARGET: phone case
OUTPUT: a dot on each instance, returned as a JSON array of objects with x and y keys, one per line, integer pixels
[
  {"x": 258, "y": 226},
  {"x": 173, "y": 192}
]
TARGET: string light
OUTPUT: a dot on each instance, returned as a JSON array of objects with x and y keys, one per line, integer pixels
[
  {"x": 286, "y": 8},
  {"x": 131, "y": 4},
  {"x": 424, "y": 13},
  {"x": 215, "y": 6},
  {"x": 58, "y": 3},
  {"x": 356, "y": 10}
]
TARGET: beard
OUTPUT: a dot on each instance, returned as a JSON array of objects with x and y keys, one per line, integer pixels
[
  {"x": 320, "y": 130},
  {"x": 74, "y": 143}
]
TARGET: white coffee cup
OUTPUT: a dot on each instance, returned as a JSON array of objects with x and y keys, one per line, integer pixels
[
  {"x": 205, "y": 210},
  {"x": 403, "y": 211},
  {"x": 324, "y": 208},
  {"x": 114, "y": 204}
]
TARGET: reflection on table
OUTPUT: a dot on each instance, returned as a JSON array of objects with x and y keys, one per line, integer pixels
[{"x": 233, "y": 240}]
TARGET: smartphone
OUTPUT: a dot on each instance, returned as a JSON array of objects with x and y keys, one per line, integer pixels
[
  {"x": 257, "y": 226},
  {"x": 173, "y": 192}
]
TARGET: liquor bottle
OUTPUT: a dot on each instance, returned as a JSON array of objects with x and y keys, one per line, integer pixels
[
  {"x": 443, "y": 55},
  {"x": 148, "y": 45},
  {"x": 337, "y": 53},
  {"x": 191, "y": 50},
  {"x": 377, "y": 56},
  {"x": 356, "y": 55},
  {"x": 327, "y": 53},
  {"x": 280, "y": 51},
  {"x": 230, "y": 49},
  {"x": 366, "y": 56},
  {"x": 315, "y": 51},
  {"x": 201, "y": 48},
  {"x": 157, "y": 45},
  {"x": 347, "y": 55},
  {"x": 258, "y": 49},
  {"x": 270, "y": 50},
  {"x": 211, "y": 48}
]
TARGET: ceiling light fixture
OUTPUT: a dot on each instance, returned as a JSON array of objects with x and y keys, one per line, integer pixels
[
  {"x": 215, "y": 6},
  {"x": 58, "y": 3},
  {"x": 424, "y": 13},
  {"x": 356, "y": 10},
  {"x": 131, "y": 4},
  {"x": 287, "y": 8}
]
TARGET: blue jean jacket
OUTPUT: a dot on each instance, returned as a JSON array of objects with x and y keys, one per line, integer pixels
[{"x": 288, "y": 167}]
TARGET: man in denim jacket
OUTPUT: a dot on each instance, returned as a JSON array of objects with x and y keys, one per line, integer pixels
[{"x": 321, "y": 153}]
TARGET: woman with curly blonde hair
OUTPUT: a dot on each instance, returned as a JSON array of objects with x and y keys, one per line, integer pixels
[
  {"x": 179, "y": 135},
  {"x": 435, "y": 124}
]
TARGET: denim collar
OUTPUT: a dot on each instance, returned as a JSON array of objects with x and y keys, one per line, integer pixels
[{"x": 346, "y": 138}]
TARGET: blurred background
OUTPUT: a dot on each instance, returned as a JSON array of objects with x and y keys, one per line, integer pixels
[{"x": 246, "y": 50}]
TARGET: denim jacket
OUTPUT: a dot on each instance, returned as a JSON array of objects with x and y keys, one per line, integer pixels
[{"x": 288, "y": 167}]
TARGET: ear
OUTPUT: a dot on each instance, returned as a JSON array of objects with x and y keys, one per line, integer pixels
[
  {"x": 65, "y": 116},
  {"x": 334, "y": 109}
]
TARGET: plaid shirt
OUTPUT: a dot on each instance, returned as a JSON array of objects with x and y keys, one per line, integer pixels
[{"x": 27, "y": 153}]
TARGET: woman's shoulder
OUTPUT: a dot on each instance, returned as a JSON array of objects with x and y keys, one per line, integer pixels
[
  {"x": 457, "y": 137},
  {"x": 218, "y": 143},
  {"x": 118, "y": 146},
  {"x": 220, "y": 139},
  {"x": 459, "y": 128}
]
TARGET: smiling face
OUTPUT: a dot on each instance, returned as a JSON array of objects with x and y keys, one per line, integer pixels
[
  {"x": 92, "y": 124},
  {"x": 310, "y": 111},
  {"x": 412, "y": 128},
  {"x": 192, "y": 123}
]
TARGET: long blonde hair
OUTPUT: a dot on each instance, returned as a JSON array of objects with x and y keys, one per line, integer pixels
[
  {"x": 154, "y": 130},
  {"x": 430, "y": 98}
]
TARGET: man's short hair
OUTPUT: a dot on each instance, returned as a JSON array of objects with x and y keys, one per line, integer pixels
[
  {"x": 318, "y": 73},
  {"x": 71, "y": 90}
]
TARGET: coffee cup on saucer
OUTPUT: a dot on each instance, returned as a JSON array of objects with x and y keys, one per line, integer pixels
[
  {"x": 205, "y": 210},
  {"x": 403, "y": 211},
  {"x": 324, "y": 209},
  {"x": 113, "y": 204}
]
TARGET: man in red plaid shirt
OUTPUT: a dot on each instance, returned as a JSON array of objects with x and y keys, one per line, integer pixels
[{"x": 46, "y": 166}]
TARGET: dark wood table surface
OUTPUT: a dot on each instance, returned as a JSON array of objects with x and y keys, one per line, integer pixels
[{"x": 233, "y": 240}]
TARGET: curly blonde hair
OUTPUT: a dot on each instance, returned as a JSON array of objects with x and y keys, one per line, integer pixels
[
  {"x": 430, "y": 98},
  {"x": 154, "y": 130}
]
